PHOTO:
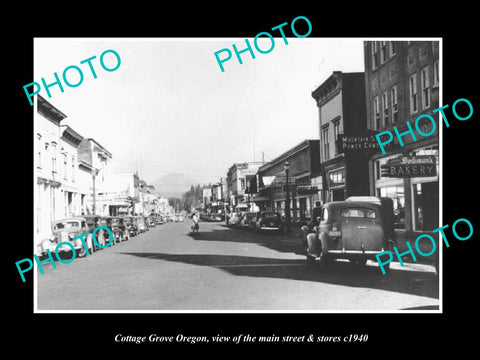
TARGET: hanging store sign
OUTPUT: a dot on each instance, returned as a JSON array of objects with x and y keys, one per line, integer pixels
[{"x": 410, "y": 166}]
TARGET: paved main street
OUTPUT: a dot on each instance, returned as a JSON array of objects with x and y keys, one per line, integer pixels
[{"x": 168, "y": 268}]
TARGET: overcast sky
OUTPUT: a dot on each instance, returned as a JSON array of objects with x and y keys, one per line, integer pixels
[{"x": 169, "y": 109}]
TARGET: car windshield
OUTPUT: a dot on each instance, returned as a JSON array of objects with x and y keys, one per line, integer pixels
[
  {"x": 67, "y": 225},
  {"x": 358, "y": 213}
]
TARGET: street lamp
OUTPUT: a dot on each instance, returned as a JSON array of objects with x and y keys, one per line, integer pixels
[{"x": 286, "y": 166}]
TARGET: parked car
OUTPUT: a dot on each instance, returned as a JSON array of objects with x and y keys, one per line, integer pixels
[
  {"x": 118, "y": 227},
  {"x": 151, "y": 220},
  {"x": 131, "y": 225},
  {"x": 65, "y": 230},
  {"x": 217, "y": 217},
  {"x": 141, "y": 224},
  {"x": 248, "y": 219},
  {"x": 102, "y": 236},
  {"x": 158, "y": 220},
  {"x": 353, "y": 230},
  {"x": 235, "y": 219},
  {"x": 93, "y": 221},
  {"x": 269, "y": 221}
]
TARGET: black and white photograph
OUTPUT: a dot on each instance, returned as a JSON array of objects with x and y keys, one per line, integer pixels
[
  {"x": 237, "y": 190},
  {"x": 283, "y": 184}
]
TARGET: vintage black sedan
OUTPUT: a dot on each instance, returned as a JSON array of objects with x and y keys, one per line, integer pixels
[
  {"x": 353, "y": 230},
  {"x": 269, "y": 221}
]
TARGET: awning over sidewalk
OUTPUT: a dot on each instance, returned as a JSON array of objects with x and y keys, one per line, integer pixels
[{"x": 260, "y": 198}]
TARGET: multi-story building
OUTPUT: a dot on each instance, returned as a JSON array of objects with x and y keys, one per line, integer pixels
[
  {"x": 74, "y": 198},
  {"x": 94, "y": 159},
  {"x": 342, "y": 114},
  {"x": 402, "y": 83},
  {"x": 48, "y": 196},
  {"x": 119, "y": 192},
  {"x": 238, "y": 176}
]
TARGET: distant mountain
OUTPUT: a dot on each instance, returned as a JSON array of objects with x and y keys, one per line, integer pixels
[{"x": 173, "y": 185}]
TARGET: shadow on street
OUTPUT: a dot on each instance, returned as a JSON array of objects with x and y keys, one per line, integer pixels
[
  {"x": 282, "y": 242},
  {"x": 339, "y": 272}
]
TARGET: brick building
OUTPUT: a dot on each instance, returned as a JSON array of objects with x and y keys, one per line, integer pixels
[
  {"x": 402, "y": 83},
  {"x": 341, "y": 104}
]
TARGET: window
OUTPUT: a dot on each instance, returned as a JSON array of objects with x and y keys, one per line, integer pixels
[
  {"x": 359, "y": 213},
  {"x": 73, "y": 168},
  {"x": 393, "y": 49},
  {"x": 435, "y": 74},
  {"x": 385, "y": 109},
  {"x": 65, "y": 166},
  {"x": 336, "y": 131},
  {"x": 394, "y": 100},
  {"x": 54, "y": 157},
  {"x": 242, "y": 184},
  {"x": 326, "y": 144},
  {"x": 336, "y": 178},
  {"x": 376, "y": 112},
  {"x": 425, "y": 80},
  {"x": 412, "y": 81},
  {"x": 383, "y": 51},
  {"x": 39, "y": 151},
  {"x": 423, "y": 52},
  {"x": 374, "y": 55}
]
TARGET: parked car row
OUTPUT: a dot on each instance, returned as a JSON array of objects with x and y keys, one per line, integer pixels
[
  {"x": 65, "y": 230},
  {"x": 212, "y": 217},
  {"x": 356, "y": 229},
  {"x": 257, "y": 221}
]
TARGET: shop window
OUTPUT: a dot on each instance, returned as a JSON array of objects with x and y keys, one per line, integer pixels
[
  {"x": 396, "y": 193},
  {"x": 426, "y": 204},
  {"x": 336, "y": 178}
]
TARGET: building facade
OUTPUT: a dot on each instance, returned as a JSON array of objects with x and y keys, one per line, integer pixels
[
  {"x": 238, "y": 176},
  {"x": 341, "y": 104},
  {"x": 401, "y": 83},
  {"x": 95, "y": 158},
  {"x": 48, "y": 196},
  {"x": 303, "y": 184}
]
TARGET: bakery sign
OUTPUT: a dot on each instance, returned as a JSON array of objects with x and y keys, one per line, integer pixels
[{"x": 410, "y": 166}]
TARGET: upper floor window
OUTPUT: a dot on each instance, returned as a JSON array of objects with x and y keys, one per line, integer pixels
[
  {"x": 393, "y": 48},
  {"x": 425, "y": 80},
  {"x": 386, "y": 118},
  {"x": 394, "y": 99},
  {"x": 412, "y": 81},
  {"x": 383, "y": 51},
  {"x": 376, "y": 112},
  {"x": 326, "y": 143},
  {"x": 436, "y": 77},
  {"x": 374, "y": 55}
]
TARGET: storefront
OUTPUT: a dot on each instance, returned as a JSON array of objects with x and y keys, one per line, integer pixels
[{"x": 415, "y": 198}]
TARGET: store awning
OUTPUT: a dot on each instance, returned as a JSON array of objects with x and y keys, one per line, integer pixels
[{"x": 259, "y": 198}]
